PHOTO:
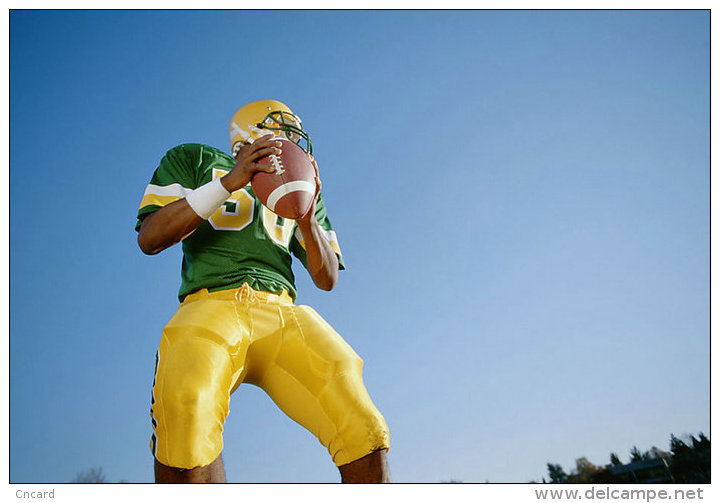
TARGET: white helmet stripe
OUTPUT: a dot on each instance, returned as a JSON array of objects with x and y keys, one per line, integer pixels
[
  {"x": 257, "y": 130},
  {"x": 235, "y": 129}
]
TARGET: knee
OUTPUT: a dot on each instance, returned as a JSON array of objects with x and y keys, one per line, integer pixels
[
  {"x": 188, "y": 404},
  {"x": 193, "y": 382},
  {"x": 372, "y": 426},
  {"x": 368, "y": 434},
  {"x": 181, "y": 402}
]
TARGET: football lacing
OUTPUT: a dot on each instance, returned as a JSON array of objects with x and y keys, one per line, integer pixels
[{"x": 277, "y": 164}]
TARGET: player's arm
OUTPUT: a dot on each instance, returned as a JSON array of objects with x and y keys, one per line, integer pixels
[
  {"x": 176, "y": 221},
  {"x": 322, "y": 263},
  {"x": 167, "y": 226}
]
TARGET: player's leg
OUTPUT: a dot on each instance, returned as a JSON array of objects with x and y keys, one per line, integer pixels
[
  {"x": 214, "y": 472},
  {"x": 316, "y": 379},
  {"x": 200, "y": 356},
  {"x": 372, "y": 468}
]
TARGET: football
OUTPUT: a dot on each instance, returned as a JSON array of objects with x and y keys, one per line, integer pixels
[{"x": 289, "y": 191}]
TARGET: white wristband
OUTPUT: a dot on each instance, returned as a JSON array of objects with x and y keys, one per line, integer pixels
[{"x": 206, "y": 199}]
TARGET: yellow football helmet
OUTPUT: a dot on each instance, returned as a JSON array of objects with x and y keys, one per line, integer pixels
[{"x": 258, "y": 118}]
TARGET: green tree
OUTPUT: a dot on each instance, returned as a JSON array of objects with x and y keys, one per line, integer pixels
[
  {"x": 585, "y": 471},
  {"x": 635, "y": 454},
  {"x": 92, "y": 476},
  {"x": 614, "y": 459},
  {"x": 677, "y": 446},
  {"x": 690, "y": 462},
  {"x": 557, "y": 474}
]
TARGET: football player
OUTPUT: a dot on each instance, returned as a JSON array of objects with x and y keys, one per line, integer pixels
[{"x": 237, "y": 321}]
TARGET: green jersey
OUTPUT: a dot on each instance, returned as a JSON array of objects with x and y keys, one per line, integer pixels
[{"x": 243, "y": 241}]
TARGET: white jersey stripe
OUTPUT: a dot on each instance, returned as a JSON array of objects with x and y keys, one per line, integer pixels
[
  {"x": 174, "y": 189},
  {"x": 329, "y": 235}
]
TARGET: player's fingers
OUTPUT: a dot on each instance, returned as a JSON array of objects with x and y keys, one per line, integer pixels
[
  {"x": 241, "y": 151},
  {"x": 264, "y": 140},
  {"x": 265, "y": 137},
  {"x": 269, "y": 142},
  {"x": 257, "y": 154},
  {"x": 262, "y": 167},
  {"x": 248, "y": 148}
]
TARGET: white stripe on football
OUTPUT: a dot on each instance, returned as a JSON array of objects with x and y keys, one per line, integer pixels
[{"x": 287, "y": 188}]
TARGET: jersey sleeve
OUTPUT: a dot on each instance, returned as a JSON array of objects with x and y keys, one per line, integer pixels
[
  {"x": 297, "y": 243},
  {"x": 174, "y": 179}
]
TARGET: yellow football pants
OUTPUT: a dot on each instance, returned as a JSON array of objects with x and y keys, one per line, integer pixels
[{"x": 218, "y": 340}]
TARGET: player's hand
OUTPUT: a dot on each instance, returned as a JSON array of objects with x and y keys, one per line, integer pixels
[
  {"x": 318, "y": 185},
  {"x": 247, "y": 164}
]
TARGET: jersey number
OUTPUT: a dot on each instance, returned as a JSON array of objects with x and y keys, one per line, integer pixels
[{"x": 238, "y": 211}]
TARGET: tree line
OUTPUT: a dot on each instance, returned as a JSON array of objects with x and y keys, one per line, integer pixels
[
  {"x": 93, "y": 476},
  {"x": 687, "y": 461}
]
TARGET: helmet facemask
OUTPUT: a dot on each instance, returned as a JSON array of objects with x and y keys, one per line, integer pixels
[{"x": 290, "y": 124}]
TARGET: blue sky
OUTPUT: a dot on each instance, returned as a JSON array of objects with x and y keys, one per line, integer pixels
[{"x": 522, "y": 199}]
